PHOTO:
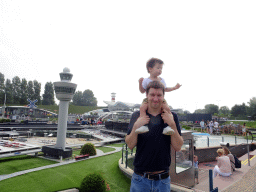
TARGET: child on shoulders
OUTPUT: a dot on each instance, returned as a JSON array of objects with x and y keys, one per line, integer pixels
[{"x": 154, "y": 68}]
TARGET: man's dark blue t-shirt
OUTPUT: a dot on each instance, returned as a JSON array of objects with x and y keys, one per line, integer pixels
[{"x": 153, "y": 148}]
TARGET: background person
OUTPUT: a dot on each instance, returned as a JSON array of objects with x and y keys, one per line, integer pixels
[
  {"x": 223, "y": 166},
  {"x": 202, "y": 125},
  {"x": 211, "y": 127},
  {"x": 196, "y": 168},
  {"x": 230, "y": 156},
  {"x": 244, "y": 129},
  {"x": 207, "y": 126},
  {"x": 152, "y": 160}
]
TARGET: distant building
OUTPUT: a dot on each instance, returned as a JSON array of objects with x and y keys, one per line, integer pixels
[
  {"x": 21, "y": 112},
  {"x": 121, "y": 106}
]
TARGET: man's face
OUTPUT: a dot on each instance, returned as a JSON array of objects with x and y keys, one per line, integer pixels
[{"x": 155, "y": 98}]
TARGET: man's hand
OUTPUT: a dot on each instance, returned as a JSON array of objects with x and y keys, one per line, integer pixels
[
  {"x": 141, "y": 121},
  {"x": 168, "y": 118}
]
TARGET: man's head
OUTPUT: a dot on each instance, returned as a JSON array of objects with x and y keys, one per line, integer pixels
[
  {"x": 152, "y": 62},
  {"x": 155, "y": 94}
]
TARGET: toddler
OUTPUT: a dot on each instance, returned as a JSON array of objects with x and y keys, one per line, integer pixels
[
  {"x": 154, "y": 67},
  {"x": 196, "y": 168}
]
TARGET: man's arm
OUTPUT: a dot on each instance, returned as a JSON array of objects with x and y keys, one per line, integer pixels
[
  {"x": 132, "y": 138},
  {"x": 176, "y": 139}
]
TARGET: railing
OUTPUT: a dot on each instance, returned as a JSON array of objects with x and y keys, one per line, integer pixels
[
  {"x": 229, "y": 140},
  {"x": 125, "y": 149}
]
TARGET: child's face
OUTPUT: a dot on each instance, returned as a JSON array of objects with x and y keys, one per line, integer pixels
[{"x": 156, "y": 70}]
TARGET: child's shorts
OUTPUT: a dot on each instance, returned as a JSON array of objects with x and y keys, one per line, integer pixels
[{"x": 196, "y": 173}]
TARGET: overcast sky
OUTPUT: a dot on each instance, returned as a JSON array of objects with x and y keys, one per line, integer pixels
[{"x": 207, "y": 46}]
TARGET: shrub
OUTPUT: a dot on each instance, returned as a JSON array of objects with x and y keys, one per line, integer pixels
[
  {"x": 88, "y": 148},
  {"x": 93, "y": 182},
  {"x": 232, "y": 132},
  {"x": 186, "y": 127}
]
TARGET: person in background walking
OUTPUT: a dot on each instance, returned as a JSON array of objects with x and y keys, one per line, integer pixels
[
  {"x": 202, "y": 125},
  {"x": 211, "y": 127},
  {"x": 244, "y": 129},
  {"x": 207, "y": 126}
]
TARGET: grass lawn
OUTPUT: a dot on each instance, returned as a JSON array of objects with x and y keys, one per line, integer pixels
[
  {"x": 70, "y": 176},
  {"x": 104, "y": 149},
  {"x": 19, "y": 163}
]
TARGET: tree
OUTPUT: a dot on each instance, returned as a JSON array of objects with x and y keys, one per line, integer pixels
[
  {"x": 252, "y": 106},
  {"x": 201, "y": 111},
  {"x": 239, "y": 110},
  {"x": 31, "y": 92},
  {"x": 224, "y": 110},
  {"x": 88, "y": 98},
  {"x": 78, "y": 98},
  {"x": 2, "y": 87},
  {"x": 48, "y": 96},
  {"x": 24, "y": 92},
  {"x": 8, "y": 91},
  {"x": 16, "y": 91},
  {"x": 37, "y": 90},
  {"x": 211, "y": 108}
]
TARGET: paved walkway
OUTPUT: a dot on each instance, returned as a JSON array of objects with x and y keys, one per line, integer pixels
[
  {"x": 243, "y": 179},
  {"x": 99, "y": 153}
]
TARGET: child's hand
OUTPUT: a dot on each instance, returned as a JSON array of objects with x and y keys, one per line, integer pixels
[
  {"x": 140, "y": 80},
  {"x": 177, "y": 86}
]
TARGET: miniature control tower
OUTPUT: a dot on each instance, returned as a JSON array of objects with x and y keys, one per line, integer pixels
[
  {"x": 113, "y": 97},
  {"x": 65, "y": 91}
]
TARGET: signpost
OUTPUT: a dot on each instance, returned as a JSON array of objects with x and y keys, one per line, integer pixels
[{"x": 32, "y": 103}]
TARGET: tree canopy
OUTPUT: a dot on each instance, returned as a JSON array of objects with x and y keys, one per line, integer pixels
[
  {"x": 84, "y": 99},
  {"x": 48, "y": 96}
]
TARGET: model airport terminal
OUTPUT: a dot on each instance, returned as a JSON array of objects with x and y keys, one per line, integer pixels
[{"x": 55, "y": 140}]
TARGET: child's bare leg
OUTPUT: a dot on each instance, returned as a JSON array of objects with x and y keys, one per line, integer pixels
[
  {"x": 167, "y": 130},
  {"x": 143, "y": 109}
]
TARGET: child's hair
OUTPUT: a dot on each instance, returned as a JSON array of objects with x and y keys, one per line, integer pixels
[{"x": 151, "y": 62}]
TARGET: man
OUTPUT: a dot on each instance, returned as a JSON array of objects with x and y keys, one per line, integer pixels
[
  {"x": 202, "y": 125},
  {"x": 153, "y": 158}
]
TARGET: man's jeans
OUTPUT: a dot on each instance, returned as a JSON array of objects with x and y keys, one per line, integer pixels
[{"x": 141, "y": 184}]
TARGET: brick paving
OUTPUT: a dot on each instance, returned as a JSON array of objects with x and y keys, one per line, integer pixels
[
  {"x": 247, "y": 183},
  {"x": 242, "y": 180}
]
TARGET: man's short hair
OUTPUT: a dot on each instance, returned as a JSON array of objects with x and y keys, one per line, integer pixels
[
  {"x": 152, "y": 62},
  {"x": 155, "y": 85}
]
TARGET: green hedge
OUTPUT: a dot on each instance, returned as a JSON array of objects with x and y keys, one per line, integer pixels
[{"x": 5, "y": 120}]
